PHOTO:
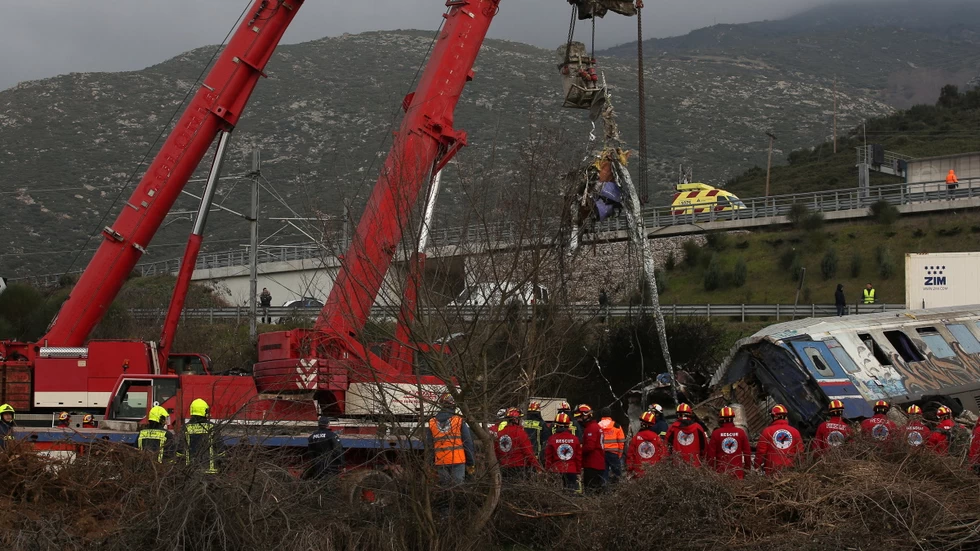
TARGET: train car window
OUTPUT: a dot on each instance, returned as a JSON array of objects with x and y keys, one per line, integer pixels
[
  {"x": 818, "y": 363},
  {"x": 936, "y": 343},
  {"x": 966, "y": 339},
  {"x": 904, "y": 346},
  {"x": 842, "y": 356},
  {"x": 879, "y": 354}
]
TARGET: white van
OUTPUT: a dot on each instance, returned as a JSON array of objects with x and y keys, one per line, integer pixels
[{"x": 505, "y": 292}]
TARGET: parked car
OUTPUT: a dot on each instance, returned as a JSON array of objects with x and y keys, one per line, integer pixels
[
  {"x": 485, "y": 296},
  {"x": 296, "y": 304}
]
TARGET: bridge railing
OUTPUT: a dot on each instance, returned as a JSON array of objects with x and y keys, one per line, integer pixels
[{"x": 731, "y": 311}]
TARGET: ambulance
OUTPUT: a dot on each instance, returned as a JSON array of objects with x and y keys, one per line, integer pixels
[{"x": 699, "y": 198}]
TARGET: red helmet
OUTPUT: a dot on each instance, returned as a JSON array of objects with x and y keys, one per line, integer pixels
[
  {"x": 446, "y": 400},
  {"x": 534, "y": 406},
  {"x": 727, "y": 413},
  {"x": 563, "y": 419},
  {"x": 779, "y": 411},
  {"x": 915, "y": 410},
  {"x": 583, "y": 410},
  {"x": 648, "y": 418},
  {"x": 684, "y": 410},
  {"x": 513, "y": 413},
  {"x": 836, "y": 406},
  {"x": 563, "y": 406},
  {"x": 881, "y": 406},
  {"x": 944, "y": 412},
  {"x": 64, "y": 416}
]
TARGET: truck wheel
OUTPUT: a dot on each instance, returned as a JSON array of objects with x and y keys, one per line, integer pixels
[{"x": 370, "y": 488}]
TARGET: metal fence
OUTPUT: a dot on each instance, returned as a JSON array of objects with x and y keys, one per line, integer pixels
[
  {"x": 763, "y": 209},
  {"x": 730, "y": 311}
]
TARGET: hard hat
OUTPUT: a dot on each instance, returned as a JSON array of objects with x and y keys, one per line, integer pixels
[
  {"x": 64, "y": 416},
  {"x": 88, "y": 418},
  {"x": 727, "y": 413},
  {"x": 199, "y": 408},
  {"x": 563, "y": 406},
  {"x": 157, "y": 414},
  {"x": 779, "y": 411},
  {"x": 563, "y": 419},
  {"x": 583, "y": 410},
  {"x": 513, "y": 413},
  {"x": 7, "y": 408},
  {"x": 914, "y": 410},
  {"x": 446, "y": 400},
  {"x": 656, "y": 407},
  {"x": 836, "y": 406},
  {"x": 501, "y": 413},
  {"x": 881, "y": 406},
  {"x": 534, "y": 406},
  {"x": 648, "y": 418},
  {"x": 684, "y": 410},
  {"x": 944, "y": 412}
]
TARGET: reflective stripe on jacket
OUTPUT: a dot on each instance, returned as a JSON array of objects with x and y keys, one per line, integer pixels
[
  {"x": 153, "y": 440},
  {"x": 447, "y": 440},
  {"x": 869, "y": 296},
  {"x": 199, "y": 438},
  {"x": 613, "y": 437}
]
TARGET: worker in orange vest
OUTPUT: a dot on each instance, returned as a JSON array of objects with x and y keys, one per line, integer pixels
[
  {"x": 613, "y": 443},
  {"x": 450, "y": 443},
  {"x": 951, "y": 179}
]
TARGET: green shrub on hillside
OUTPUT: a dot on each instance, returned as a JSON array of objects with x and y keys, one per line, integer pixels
[
  {"x": 718, "y": 241},
  {"x": 813, "y": 222},
  {"x": 796, "y": 269},
  {"x": 884, "y": 212},
  {"x": 856, "y": 265},
  {"x": 741, "y": 273},
  {"x": 797, "y": 214},
  {"x": 788, "y": 258},
  {"x": 714, "y": 278},
  {"x": 662, "y": 281},
  {"x": 671, "y": 261},
  {"x": 828, "y": 266},
  {"x": 692, "y": 253}
]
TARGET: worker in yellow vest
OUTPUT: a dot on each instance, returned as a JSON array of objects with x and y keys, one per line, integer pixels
[
  {"x": 537, "y": 430},
  {"x": 7, "y": 424},
  {"x": 200, "y": 441},
  {"x": 869, "y": 294},
  {"x": 450, "y": 443},
  {"x": 613, "y": 444},
  {"x": 155, "y": 438}
]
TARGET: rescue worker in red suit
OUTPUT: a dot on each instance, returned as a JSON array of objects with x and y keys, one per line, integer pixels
[
  {"x": 88, "y": 421},
  {"x": 879, "y": 428},
  {"x": 593, "y": 453},
  {"x": 686, "y": 438},
  {"x": 728, "y": 448},
  {"x": 574, "y": 427},
  {"x": 499, "y": 423},
  {"x": 563, "y": 453},
  {"x": 974, "y": 454},
  {"x": 64, "y": 420},
  {"x": 646, "y": 448},
  {"x": 780, "y": 445},
  {"x": 513, "y": 448},
  {"x": 917, "y": 434},
  {"x": 942, "y": 436},
  {"x": 833, "y": 432}
]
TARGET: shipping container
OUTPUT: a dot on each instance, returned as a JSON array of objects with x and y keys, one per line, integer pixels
[{"x": 937, "y": 280}]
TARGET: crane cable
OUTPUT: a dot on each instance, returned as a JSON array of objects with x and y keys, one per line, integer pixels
[{"x": 641, "y": 90}]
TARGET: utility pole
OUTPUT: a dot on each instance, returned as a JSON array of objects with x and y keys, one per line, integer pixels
[
  {"x": 835, "y": 115},
  {"x": 253, "y": 248},
  {"x": 772, "y": 140}
]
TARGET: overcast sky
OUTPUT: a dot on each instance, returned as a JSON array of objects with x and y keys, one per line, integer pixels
[{"x": 51, "y": 37}]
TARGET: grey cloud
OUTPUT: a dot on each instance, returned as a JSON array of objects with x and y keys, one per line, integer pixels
[{"x": 53, "y": 37}]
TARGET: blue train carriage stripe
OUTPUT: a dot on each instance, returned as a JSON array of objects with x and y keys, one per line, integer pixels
[{"x": 55, "y": 435}]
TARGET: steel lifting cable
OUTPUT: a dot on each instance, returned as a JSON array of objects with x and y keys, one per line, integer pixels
[{"x": 641, "y": 90}]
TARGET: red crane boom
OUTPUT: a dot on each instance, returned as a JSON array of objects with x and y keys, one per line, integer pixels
[{"x": 217, "y": 106}]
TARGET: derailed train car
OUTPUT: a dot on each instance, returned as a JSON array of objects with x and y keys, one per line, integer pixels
[{"x": 927, "y": 357}]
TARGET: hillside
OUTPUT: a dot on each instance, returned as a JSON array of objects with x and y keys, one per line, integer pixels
[
  {"x": 946, "y": 126},
  {"x": 71, "y": 142}
]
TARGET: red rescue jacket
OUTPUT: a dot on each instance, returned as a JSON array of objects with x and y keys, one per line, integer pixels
[
  {"x": 688, "y": 441},
  {"x": 831, "y": 433},
  {"x": 941, "y": 437},
  {"x": 729, "y": 451},
  {"x": 593, "y": 454},
  {"x": 879, "y": 428},
  {"x": 563, "y": 453},
  {"x": 917, "y": 434},
  {"x": 513, "y": 448},
  {"x": 780, "y": 445},
  {"x": 646, "y": 448},
  {"x": 975, "y": 445}
]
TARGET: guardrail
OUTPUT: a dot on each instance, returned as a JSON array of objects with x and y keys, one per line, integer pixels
[
  {"x": 732, "y": 311},
  {"x": 654, "y": 217}
]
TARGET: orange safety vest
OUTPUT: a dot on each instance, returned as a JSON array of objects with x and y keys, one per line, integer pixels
[
  {"x": 951, "y": 178},
  {"x": 448, "y": 441},
  {"x": 613, "y": 437}
]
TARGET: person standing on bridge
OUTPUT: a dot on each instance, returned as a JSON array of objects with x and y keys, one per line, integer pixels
[
  {"x": 869, "y": 294},
  {"x": 265, "y": 300},
  {"x": 951, "y": 180},
  {"x": 840, "y": 301},
  {"x": 7, "y": 425}
]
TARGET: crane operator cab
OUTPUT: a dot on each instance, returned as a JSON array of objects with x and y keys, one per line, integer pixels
[{"x": 580, "y": 82}]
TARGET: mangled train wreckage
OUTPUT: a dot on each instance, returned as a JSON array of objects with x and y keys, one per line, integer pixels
[{"x": 926, "y": 357}]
